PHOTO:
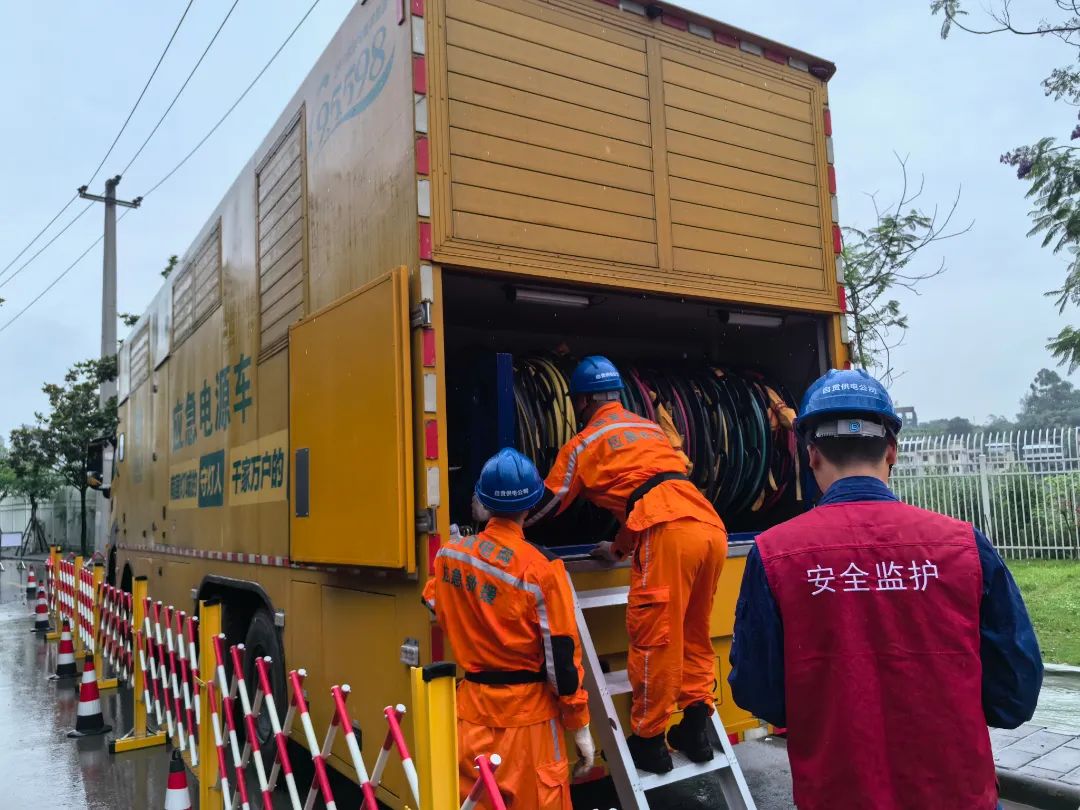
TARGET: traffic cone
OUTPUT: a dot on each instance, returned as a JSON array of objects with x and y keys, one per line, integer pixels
[
  {"x": 65, "y": 655},
  {"x": 31, "y": 584},
  {"x": 176, "y": 791},
  {"x": 88, "y": 718},
  {"x": 41, "y": 613}
]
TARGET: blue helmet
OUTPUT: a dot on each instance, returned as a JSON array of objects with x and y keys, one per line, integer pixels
[
  {"x": 851, "y": 392},
  {"x": 594, "y": 375},
  {"x": 509, "y": 482}
]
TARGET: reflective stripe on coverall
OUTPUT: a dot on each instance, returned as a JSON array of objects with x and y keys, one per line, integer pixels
[
  {"x": 505, "y": 608},
  {"x": 679, "y": 546}
]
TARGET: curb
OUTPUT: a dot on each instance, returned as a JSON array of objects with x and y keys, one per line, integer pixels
[
  {"x": 1041, "y": 793},
  {"x": 1062, "y": 669}
]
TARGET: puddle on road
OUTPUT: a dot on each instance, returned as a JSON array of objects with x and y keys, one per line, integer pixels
[
  {"x": 1059, "y": 703},
  {"x": 41, "y": 767}
]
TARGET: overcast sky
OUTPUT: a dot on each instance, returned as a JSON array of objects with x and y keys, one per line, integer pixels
[{"x": 70, "y": 70}]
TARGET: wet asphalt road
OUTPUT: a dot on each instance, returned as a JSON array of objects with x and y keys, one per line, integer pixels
[
  {"x": 41, "y": 768},
  {"x": 39, "y": 765}
]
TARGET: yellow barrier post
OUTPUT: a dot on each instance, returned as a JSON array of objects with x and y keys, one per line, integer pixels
[
  {"x": 95, "y": 637},
  {"x": 207, "y": 772},
  {"x": 53, "y": 596},
  {"x": 435, "y": 731},
  {"x": 76, "y": 633},
  {"x": 138, "y": 737}
]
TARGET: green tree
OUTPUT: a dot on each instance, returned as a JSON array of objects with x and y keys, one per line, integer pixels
[
  {"x": 170, "y": 266},
  {"x": 1050, "y": 402},
  {"x": 31, "y": 464},
  {"x": 877, "y": 262},
  {"x": 7, "y": 474},
  {"x": 76, "y": 417},
  {"x": 1054, "y": 511},
  {"x": 956, "y": 426},
  {"x": 128, "y": 319},
  {"x": 996, "y": 422},
  {"x": 1050, "y": 166}
]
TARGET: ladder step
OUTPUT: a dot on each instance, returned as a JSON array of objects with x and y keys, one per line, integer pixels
[
  {"x": 684, "y": 769},
  {"x": 618, "y": 683},
  {"x": 603, "y": 597}
]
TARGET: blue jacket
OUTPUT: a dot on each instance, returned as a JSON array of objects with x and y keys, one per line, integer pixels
[{"x": 1012, "y": 663}]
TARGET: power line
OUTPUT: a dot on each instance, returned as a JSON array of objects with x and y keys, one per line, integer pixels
[
  {"x": 175, "y": 168},
  {"x": 146, "y": 86},
  {"x": 53, "y": 283},
  {"x": 127, "y": 120},
  {"x": 37, "y": 236},
  {"x": 235, "y": 104},
  {"x": 56, "y": 280},
  {"x": 176, "y": 98},
  {"x": 56, "y": 236}
]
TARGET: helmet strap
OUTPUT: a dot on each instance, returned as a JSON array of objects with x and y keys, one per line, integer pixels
[
  {"x": 853, "y": 427},
  {"x": 605, "y": 396}
]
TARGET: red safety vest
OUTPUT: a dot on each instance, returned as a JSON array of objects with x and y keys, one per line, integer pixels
[{"x": 883, "y": 679}]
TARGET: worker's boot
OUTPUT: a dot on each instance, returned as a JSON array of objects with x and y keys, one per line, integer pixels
[
  {"x": 650, "y": 753},
  {"x": 690, "y": 735}
]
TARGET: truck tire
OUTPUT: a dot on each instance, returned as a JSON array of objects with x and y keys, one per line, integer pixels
[{"x": 264, "y": 639}]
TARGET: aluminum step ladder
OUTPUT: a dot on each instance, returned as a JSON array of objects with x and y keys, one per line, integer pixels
[{"x": 630, "y": 783}]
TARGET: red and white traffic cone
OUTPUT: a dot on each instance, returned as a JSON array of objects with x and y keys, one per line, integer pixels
[
  {"x": 41, "y": 613},
  {"x": 176, "y": 792},
  {"x": 88, "y": 718},
  {"x": 65, "y": 655},
  {"x": 31, "y": 585}
]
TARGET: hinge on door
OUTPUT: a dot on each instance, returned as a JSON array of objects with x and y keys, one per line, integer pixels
[
  {"x": 420, "y": 315},
  {"x": 425, "y": 521}
]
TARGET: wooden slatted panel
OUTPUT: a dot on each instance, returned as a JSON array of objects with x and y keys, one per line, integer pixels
[
  {"x": 282, "y": 230},
  {"x": 745, "y": 200},
  {"x": 207, "y": 275},
  {"x": 470, "y": 172},
  {"x": 140, "y": 357},
  {"x": 750, "y": 270},
  {"x": 550, "y": 135},
  {"x": 501, "y": 135},
  {"x": 183, "y": 304},
  {"x": 533, "y": 80}
]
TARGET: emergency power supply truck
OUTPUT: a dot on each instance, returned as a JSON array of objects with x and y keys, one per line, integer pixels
[{"x": 463, "y": 197}]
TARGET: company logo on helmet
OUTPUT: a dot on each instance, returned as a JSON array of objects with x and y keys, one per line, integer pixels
[
  {"x": 854, "y": 426},
  {"x": 604, "y": 375},
  {"x": 510, "y": 493},
  {"x": 860, "y": 387}
]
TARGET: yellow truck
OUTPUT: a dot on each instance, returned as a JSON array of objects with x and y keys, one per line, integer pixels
[{"x": 458, "y": 180}]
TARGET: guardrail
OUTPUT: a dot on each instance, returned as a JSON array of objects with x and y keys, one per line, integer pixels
[
  {"x": 1021, "y": 487},
  {"x": 156, "y": 650}
]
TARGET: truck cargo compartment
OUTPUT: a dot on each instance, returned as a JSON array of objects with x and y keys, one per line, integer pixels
[
  {"x": 627, "y": 152},
  {"x": 710, "y": 365}
]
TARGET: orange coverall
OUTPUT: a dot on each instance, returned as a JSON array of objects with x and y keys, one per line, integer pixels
[
  {"x": 678, "y": 543},
  {"x": 507, "y": 611}
]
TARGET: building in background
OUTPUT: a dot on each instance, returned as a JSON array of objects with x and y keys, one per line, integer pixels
[
  {"x": 59, "y": 516},
  {"x": 907, "y": 413}
]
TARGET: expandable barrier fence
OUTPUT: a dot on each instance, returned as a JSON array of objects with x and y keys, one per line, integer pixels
[{"x": 156, "y": 650}]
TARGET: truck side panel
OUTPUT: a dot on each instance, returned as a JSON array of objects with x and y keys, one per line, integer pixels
[
  {"x": 580, "y": 142},
  {"x": 327, "y": 203}
]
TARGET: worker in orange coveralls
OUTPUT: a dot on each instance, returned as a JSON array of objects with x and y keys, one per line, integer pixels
[
  {"x": 627, "y": 465},
  {"x": 509, "y": 615}
]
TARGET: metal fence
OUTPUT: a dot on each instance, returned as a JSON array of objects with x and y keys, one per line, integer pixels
[
  {"x": 1021, "y": 488},
  {"x": 60, "y": 517}
]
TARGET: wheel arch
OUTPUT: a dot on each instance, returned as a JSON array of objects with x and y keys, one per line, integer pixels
[{"x": 240, "y": 600}]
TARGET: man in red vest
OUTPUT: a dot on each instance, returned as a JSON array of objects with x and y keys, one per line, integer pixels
[{"x": 883, "y": 636}]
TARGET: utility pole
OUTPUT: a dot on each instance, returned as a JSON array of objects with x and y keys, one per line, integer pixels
[
  {"x": 108, "y": 334},
  {"x": 108, "y": 280}
]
